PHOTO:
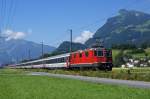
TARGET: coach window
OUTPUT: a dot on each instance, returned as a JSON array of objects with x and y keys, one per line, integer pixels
[
  {"x": 49, "y": 61},
  {"x": 54, "y": 61},
  {"x": 57, "y": 60},
  {"x": 80, "y": 54},
  {"x": 86, "y": 53},
  {"x": 63, "y": 59}
]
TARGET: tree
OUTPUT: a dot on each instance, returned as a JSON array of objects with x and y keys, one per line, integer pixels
[
  {"x": 144, "y": 45},
  {"x": 123, "y": 46},
  {"x": 119, "y": 59}
]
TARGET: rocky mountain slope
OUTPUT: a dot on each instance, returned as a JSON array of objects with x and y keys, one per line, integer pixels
[
  {"x": 17, "y": 50},
  {"x": 128, "y": 26}
]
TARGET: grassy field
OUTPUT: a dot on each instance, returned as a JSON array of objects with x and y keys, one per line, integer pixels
[
  {"x": 148, "y": 51},
  {"x": 140, "y": 74},
  {"x": 115, "y": 52},
  {"x": 15, "y": 86}
]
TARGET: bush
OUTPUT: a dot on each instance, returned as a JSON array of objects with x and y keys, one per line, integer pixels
[
  {"x": 119, "y": 59},
  {"x": 124, "y": 46},
  {"x": 136, "y": 51}
]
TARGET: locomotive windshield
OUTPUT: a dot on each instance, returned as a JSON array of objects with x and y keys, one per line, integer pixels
[
  {"x": 98, "y": 53},
  {"x": 101, "y": 53},
  {"x": 108, "y": 53}
]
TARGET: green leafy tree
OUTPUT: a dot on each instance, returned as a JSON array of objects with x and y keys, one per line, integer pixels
[{"x": 119, "y": 59}]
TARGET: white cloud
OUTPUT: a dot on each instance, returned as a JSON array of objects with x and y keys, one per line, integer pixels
[
  {"x": 85, "y": 35},
  {"x": 9, "y": 34}
]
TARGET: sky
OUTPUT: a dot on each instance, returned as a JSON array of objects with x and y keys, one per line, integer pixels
[{"x": 50, "y": 20}]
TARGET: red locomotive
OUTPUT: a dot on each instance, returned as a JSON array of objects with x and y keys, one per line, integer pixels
[{"x": 100, "y": 58}]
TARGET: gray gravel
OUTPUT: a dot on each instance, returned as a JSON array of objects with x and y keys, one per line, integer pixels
[{"x": 137, "y": 84}]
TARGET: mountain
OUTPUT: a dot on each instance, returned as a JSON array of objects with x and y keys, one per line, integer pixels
[
  {"x": 64, "y": 47},
  {"x": 17, "y": 50},
  {"x": 128, "y": 26}
]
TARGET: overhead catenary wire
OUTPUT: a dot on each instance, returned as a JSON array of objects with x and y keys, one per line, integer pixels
[
  {"x": 1, "y": 15},
  {"x": 97, "y": 22},
  {"x": 10, "y": 9},
  {"x": 12, "y": 14},
  {"x": 104, "y": 19},
  {"x": 7, "y": 11},
  {"x": 4, "y": 14},
  {"x": 94, "y": 23}
]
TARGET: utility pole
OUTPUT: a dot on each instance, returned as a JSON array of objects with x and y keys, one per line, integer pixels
[
  {"x": 70, "y": 46},
  {"x": 17, "y": 61},
  {"x": 42, "y": 53},
  {"x": 22, "y": 58},
  {"x": 0, "y": 32},
  {"x": 29, "y": 55},
  {"x": 70, "y": 41}
]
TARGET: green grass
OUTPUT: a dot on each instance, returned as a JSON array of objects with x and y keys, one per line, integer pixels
[
  {"x": 115, "y": 52},
  {"x": 11, "y": 71},
  {"x": 43, "y": 87},
  {"x": 140, "y": 74},
  {"x": 139, "y": 55},
  {"x": 148, "y": 51}
]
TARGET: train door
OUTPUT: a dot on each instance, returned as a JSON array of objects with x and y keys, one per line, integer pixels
[{"x": 68, "y": 61}]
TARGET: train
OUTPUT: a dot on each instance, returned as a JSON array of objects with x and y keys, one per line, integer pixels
[{"x": 95, "y": 58}]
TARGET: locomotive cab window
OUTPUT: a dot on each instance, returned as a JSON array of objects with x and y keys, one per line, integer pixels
[
  {"x": 80, "y": 54},
  {"x": 98, "y": 53},
  {"x": 95, "y": 53},
  {"x": 86, "y": 53},
  {"x": 75, "y": 55},
  {"x": 108, "y": 54}
]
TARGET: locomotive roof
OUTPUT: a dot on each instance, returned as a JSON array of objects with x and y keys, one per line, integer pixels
[{"x": 89, "y": 49}]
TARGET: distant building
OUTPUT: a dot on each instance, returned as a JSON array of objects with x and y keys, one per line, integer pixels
[
  {"x": 130, "y": 65},
  {"x": 123, "y": 66}
]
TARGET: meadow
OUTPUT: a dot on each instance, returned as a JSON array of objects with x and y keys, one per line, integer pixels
[
  {"x": 115, "y": 52},
  {"x": 139, "y": 74},
  {"x": 14, "y": 84}
]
